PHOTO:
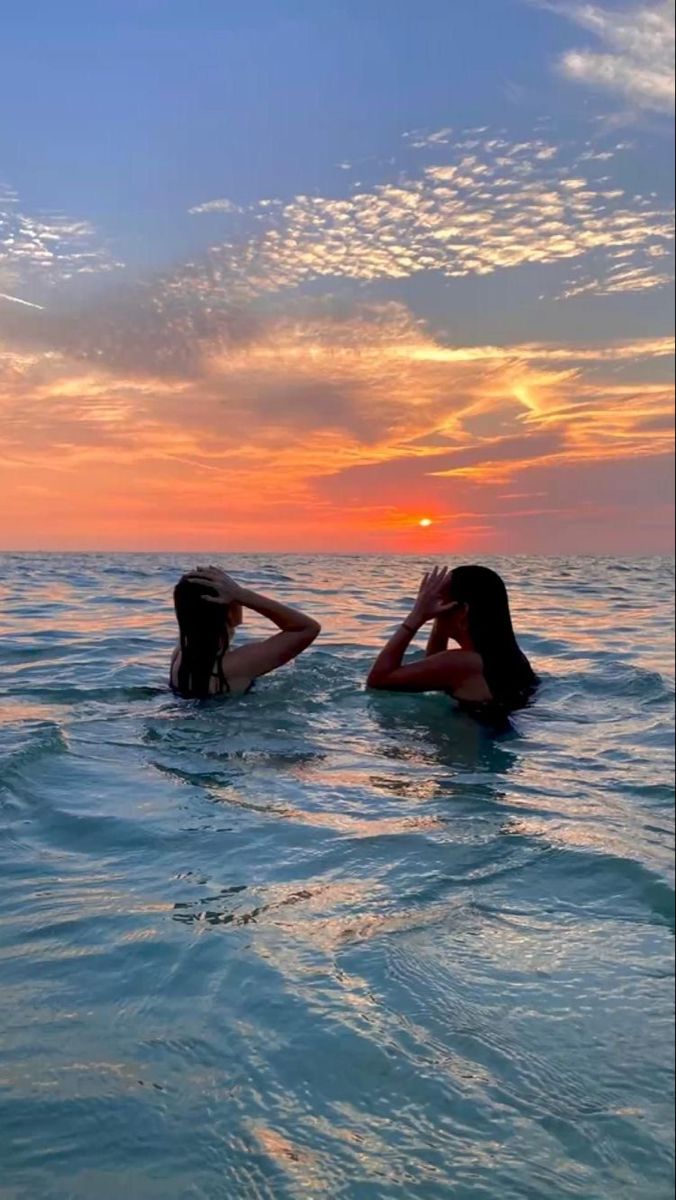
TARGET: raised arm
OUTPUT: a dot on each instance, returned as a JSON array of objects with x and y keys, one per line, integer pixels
[
  {"x": 289, "y": 620},
  {"x": 438, "y": 642},
  {"x": 443, "y": 671},
  {"x": 297, "y": 630}
]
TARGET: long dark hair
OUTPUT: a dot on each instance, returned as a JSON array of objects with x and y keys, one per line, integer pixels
[
  {"x": 204, "y": 636},
  {"x": 507, "y": 671}
]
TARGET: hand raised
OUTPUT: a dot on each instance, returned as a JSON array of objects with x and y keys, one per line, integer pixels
[
  {"x": 227, "y": 590},
  {"x": 433, "y": 599}
]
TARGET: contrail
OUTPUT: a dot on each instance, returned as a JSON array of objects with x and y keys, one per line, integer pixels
[{"x": 16, "y": 300}]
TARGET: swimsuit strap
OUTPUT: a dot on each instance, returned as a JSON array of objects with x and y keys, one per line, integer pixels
[{"x": 218, "y": 674}]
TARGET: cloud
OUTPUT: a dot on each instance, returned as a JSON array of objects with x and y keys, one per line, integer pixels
[
  {"x": 45, "y": 250},
  {"x": 215, "y": 206},
  {"x": 636, "y": 276},
  {"x": 233, "y": 398},
  {"x": 18, "y": 300},
  {"x": 421, "y": 139},
  {"x": 637, "y": 59},
  {"x": 491, "y": 205},
  {"x": 485, "y": 204},
  {"x": 348, "y": 427}
]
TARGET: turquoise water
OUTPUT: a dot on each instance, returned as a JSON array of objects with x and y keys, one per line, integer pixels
[{"x": 320, "y": 943}]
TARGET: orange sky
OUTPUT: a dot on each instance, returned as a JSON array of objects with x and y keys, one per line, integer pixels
[
  {"x": 340, "y": 433},
  {"x": 469, "y": 329}
]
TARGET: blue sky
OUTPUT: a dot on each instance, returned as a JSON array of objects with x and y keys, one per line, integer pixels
[
  {"x": 494, "y": 173},
  {"x": 148, "y": 108},
  {"x": 131, "y": 113}
]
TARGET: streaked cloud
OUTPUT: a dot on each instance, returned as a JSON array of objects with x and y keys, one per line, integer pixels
[
  {"x": 636, "y": 59},
  {"x": 362, "y": 423},
  {"x": 480, "y": 205},
  {"x": 192, "y": 400},
  {"x": 18, "y": 300},
  {"x": 215, "y": 206},
  {"x": 641, "y": 273},
  {"x": 490, "y": 205},
  {"x": 421, "y": 139},
  {"x": 46, "y": 249},
  {"x": 330, "y": 329}
]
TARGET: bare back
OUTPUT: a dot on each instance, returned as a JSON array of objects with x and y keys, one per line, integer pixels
[{"x": 221, "y": 682}]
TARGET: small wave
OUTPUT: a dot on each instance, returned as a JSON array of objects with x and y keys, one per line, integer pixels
[
  {"x": 583, "y": 878},
  {"x": 29, "y": 743},
  {"x": 465, "y": 931},
  {"x": 15, "y": 655},
  {"x": 78, "y": 694}
]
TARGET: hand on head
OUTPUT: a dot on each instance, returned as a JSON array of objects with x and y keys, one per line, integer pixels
[
  {"x": 433, "y": 601},
  {"x": 224, "y": 588}
]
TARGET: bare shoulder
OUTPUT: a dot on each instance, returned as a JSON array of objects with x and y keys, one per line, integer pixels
[
  {"x": 461, "y": 665},
  {"x": 466, "y": 673},
  {"x": 467, "y": 660}
]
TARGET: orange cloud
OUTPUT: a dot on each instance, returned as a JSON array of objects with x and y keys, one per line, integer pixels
[{"x": 316, "y": 432}]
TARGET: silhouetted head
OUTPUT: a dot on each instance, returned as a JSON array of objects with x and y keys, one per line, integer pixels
[
  {"x": 481, "y": 617},
  {"x": 206, "y": 628}
]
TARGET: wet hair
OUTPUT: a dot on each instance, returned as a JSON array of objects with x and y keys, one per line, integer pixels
[
  {"x": 204, "y": 637},
  {"x": 507, "y": 671}
]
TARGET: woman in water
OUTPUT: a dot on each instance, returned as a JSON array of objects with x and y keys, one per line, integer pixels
[
  {"x": 488, "y": 674},
  {"x": 209, "y": 607}
]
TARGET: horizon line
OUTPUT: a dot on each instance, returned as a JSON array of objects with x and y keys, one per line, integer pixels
[{"x": 337, "y": 554}]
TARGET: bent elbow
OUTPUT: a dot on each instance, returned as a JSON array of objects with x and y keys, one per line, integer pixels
[
  {"x": 313, "y": 631},
  {"x": 376, "y": 681}
]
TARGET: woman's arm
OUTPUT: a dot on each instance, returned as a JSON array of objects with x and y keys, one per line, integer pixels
[
  {"x": 440, "y": 671},
  {"x": 289, "y": 620},
  {"x": 390, "y": 659},
  {"x": 297, "y": 630},
  {"x": 445, "y": 672},
  {"x": 438, "y": 641}
]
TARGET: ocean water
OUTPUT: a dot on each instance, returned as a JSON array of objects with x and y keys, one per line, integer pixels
[{"x": 321, "y": 943}]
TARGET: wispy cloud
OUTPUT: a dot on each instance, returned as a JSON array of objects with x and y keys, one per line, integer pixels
[
  {"x": 421, "y": 139},
  {"x": 638, "y": 273},
  {"x": 359, "y": 421},
  {"x": 215, "y": 206},
  {"x": 18, "y": 300},
  {"x": 636, "y": 61},
  {"x": 489, "y": 205},
  {"x": 47, "y": 248},
  {"x": 483, "y": 204}
]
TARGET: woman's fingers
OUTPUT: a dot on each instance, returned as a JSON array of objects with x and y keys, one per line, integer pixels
[
  {"x": 223, "y": 593},
  {"x": 443, "y": 609},
  {"x": 215, "y": 573},
  {"x": 436, "y": 578},
  {"x": 208, "y": 580}
]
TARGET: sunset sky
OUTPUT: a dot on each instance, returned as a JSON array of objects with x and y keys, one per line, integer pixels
[{"x": 307, "y": 274}]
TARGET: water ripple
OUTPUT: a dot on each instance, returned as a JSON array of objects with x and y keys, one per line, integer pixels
[{"x": 318, "y": 942}]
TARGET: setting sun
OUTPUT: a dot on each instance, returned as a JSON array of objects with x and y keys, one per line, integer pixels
[{"x": 426, "y": 523}]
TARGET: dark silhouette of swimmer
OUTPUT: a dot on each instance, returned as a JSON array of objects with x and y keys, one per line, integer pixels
[
  {"x": 209, "y": 606},
  {"x": 488, "y": 674}
]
